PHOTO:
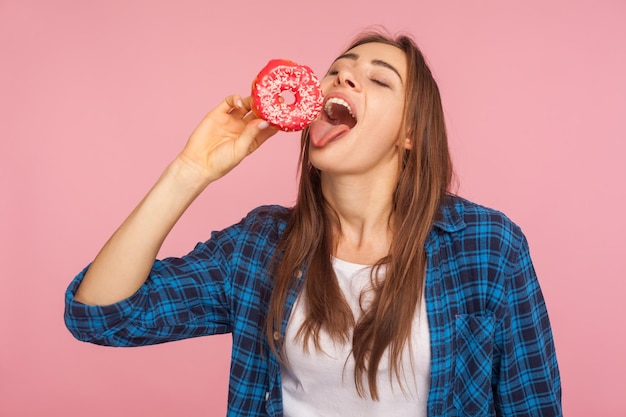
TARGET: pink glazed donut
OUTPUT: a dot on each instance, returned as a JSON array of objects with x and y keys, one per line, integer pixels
[{"x": 268, "y": 103}]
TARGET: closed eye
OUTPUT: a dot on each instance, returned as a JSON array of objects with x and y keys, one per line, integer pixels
[{"x": 381, "y": 83}]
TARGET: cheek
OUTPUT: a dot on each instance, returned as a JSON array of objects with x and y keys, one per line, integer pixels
[
  {"x": 389, "y": 119},
  {"x": 326, "y": 84},
  {"x": 386, "y": 128}
]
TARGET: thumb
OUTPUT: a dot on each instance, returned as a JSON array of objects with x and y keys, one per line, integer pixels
[{"x": 254, "y": 135}]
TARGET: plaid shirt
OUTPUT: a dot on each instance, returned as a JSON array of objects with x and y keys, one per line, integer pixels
[{"x": 492, "y": 351}]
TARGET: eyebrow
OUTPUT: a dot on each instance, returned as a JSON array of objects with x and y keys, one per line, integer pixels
[{"x": 378, "y": 62}]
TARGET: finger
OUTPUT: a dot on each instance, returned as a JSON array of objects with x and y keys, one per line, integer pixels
[
  {"x": 232, "y": 101},
  {"x": 247, "y": 102},
  {"x": 262, "y": 136},
  {"x": 234, "y": 105},
  {"x": 250, "y": 116},
  {"x": 260, "y": 139},
  {"x": 254, "y": 135}
]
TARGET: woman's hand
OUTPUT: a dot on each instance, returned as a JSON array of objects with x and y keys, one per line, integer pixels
[{"x": 225, "y": 136}]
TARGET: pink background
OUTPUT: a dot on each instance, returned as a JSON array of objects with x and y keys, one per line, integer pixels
[{"x": 96, "y": 97}]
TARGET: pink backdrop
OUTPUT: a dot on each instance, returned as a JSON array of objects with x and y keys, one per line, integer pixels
[{"x": 96, "y": 97}]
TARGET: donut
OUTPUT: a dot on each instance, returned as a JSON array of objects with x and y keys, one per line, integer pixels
[{"x": 268, "y": 102}]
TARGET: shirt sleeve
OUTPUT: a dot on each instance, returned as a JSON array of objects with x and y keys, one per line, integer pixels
[
  {"x": 182, "y": 298},
  {"x": 526, "y": 380}
]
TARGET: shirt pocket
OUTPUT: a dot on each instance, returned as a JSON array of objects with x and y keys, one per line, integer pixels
[{"x": 473, "y": 364}]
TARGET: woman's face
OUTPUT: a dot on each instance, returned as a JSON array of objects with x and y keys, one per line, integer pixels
[{"x": 361, "y": 126}]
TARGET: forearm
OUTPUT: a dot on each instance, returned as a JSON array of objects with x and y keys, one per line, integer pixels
[
  {"x": 223, "y": 138},
  {"x": 125, "y": 261}
]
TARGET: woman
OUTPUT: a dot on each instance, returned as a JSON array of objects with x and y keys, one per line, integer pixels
[{"x": 378, "y": 293}]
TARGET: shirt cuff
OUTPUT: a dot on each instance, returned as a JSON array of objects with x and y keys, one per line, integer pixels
[{"x": 96, "y": 324}]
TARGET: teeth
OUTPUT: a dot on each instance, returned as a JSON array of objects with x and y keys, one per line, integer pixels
[{"x": 339, "y": 101}]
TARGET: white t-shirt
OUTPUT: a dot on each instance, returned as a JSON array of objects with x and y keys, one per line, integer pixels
[{"x": 321, "y": 383}]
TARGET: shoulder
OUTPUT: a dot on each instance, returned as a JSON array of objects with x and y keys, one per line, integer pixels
[
  {"x": 259, "y": 223},
  {"x": 259, "y": 231},
  {"x": 478, "y": 222},
  {"x": 273, "y": 216},
  {"x": 272, "y": 211},
  {"x": 263, "y": 223},
  {"x": 478, "y": 215}
]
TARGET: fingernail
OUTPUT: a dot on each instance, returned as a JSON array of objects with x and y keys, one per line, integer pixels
[
  {"x": 239, "y": 103},
  {"x": 263, "y": 125}
]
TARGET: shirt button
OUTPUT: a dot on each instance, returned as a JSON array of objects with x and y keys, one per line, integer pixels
[
  {"x": 267, "y": 395},
  {"x": 276, "y": 335},
  {"x": 298, "y": 273}
]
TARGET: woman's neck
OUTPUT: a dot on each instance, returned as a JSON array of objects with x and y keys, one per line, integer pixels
[{"x": 363, "y": 207}]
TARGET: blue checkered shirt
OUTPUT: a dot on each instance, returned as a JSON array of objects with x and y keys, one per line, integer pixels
[{"x": 492, "y": 350}]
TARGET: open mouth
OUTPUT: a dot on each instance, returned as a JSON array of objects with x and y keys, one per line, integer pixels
[
  {"x": 337, "y": 120},
  {"x": 339, "y": 112}
]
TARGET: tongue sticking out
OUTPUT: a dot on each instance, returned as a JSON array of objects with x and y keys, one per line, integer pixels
[{"x": 336, "y": 120}]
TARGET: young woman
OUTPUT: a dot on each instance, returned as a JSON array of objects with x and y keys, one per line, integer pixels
[{"x": 378, "y": 294}]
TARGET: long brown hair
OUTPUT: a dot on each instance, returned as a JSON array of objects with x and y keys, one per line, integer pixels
[{"x": 424, "y": 178}]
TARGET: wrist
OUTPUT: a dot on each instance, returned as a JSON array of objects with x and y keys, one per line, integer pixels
[{"x": 188, "y": 175}]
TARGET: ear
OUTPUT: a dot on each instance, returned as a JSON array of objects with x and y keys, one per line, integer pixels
[{"x": 406, "y": 143}]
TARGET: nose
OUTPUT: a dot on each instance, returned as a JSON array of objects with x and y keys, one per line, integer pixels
[{"x": 347, "y": 79}]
